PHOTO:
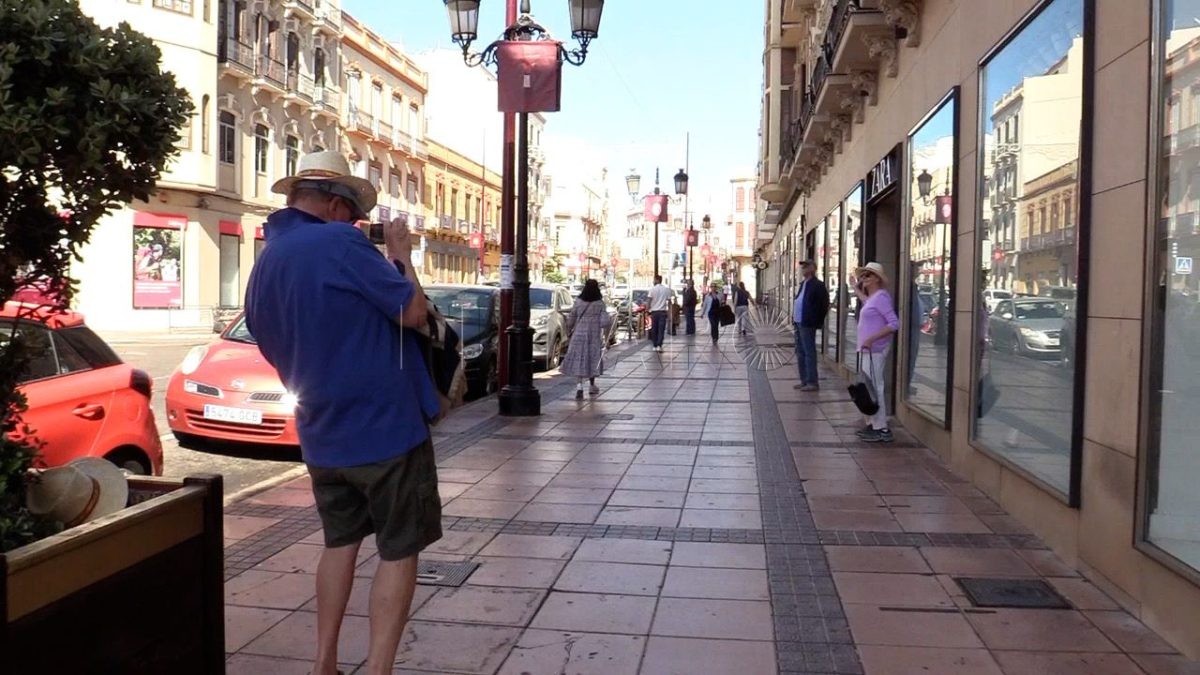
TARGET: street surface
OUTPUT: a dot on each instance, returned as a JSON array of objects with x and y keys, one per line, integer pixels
[{"x": 242, "y": 466}]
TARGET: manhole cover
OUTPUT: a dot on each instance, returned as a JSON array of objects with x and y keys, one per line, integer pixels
[
  {"x": 1016, "y": 593},
  {"x": 441, "y": 573}
]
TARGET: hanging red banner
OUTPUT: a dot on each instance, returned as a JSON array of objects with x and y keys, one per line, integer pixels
[
  {"x": 656, "y": 208},
  {"x": 530, "y": 76}
]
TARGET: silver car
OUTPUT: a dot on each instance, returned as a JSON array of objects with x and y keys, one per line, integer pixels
[{"x": 548, "y": 309}]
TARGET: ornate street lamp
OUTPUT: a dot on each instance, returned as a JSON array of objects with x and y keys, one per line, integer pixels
[
  {"x": 525, "y": 36},
  {"x": 924, "y": 185},
  {"x": 681, "y": 183},
  {"x": 634, "y": 183}
]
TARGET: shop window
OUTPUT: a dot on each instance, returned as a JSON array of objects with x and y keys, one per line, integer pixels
[
  {"x": 1026, "y": 346},
  {"x": 231, "y": 271},
  {"x": 833, "y": 281},
  {"x": 928, "y": 323},
  {"x": 157, "y": 263},
  {"x": 1171, "y": 503},
  {"x": 228, "y": 138},
  {"x": 852, "y": 255}
]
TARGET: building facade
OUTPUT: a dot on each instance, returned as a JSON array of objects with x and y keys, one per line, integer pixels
[
  {"x": 462, "y": 239},
  {"x": 1026, "y": 173}
]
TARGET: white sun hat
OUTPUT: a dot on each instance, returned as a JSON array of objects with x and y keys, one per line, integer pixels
[
  {"x": 328, "y": 170},
  {"x": 81, "y": 490}
]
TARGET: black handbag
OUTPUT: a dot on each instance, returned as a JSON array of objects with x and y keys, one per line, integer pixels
[
  {"x": 725, "y": 315},
  {"x": 862, "y": 392}
]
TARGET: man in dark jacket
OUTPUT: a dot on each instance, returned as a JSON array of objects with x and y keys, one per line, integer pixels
[
  {"x": 689, "y": 307},
  {"x": 808, "y": 314}
]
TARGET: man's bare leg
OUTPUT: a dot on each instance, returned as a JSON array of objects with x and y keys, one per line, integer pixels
[
  {"x": 391, "y": 600},
  {"x": 335, "y": 578}
]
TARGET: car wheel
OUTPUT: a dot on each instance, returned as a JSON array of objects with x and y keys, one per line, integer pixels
[
  {"x": 1015, "y": 348},
  {"x": 130, "y": 460},
  {"x": 554, "y": 354}
]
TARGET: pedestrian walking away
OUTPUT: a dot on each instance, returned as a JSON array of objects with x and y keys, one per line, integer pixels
[
  {"x": 588, "y": 325},
  {"x": 711, "y": 309},
  {"x": 689, "y": 307},
  {"x": 741, "y": 306},
  {"x": 660, "y": 305},
  {"x": 336, "y": 319},
  {"x": 877, "y": 322},
  {"x": 808, "y": 315}
]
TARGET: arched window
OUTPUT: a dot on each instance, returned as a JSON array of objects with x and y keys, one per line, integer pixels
[
  {"x": 262, "y": 145},
  {"x": 228, "y": 138},
  {"x": 292, "y": 155}
]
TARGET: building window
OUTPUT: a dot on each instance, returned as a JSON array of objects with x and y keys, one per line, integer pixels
[
  {"x": 741, "y": 199},
  {"x": 1027, "y": 343},
  {"x": 181, "y": 6},
  {"x": 1170, "y": 508},
  {"x": 291, "y": 155},
  {"x": 375, "y": 176},
  {"x": 262, "y": 145},
  {"x": 228, "y": 138},
  {"x": 319, "y": 67},
  {"x": 184, "y": 142},
  {"x": 412, "y": 191},
  {"x": 454, "y": 203},
  {"x": 928, "y": 327},
  {"x": 414, "y": 121},
  {"x": 231, "y": 270},
  {"x": 204, "y": 124},
  {"x": 440, "y": 204},
  {"x": 394, "y": 185}
]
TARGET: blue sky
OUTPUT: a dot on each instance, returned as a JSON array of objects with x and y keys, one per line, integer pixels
[{"x": 660, "y": 69}]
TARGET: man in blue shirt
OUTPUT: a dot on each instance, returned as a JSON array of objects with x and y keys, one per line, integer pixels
[
  {"x": 327, "y": 310},
  {"x": 808, "y": 314}
]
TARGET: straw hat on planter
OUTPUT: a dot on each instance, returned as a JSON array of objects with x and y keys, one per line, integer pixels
[{"x": 84, "y": 489}]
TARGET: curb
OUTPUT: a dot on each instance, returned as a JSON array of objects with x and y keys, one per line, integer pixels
[{"x": 266, "y": 484}]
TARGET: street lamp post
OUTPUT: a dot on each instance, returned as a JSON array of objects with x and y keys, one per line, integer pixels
[
  {"x": 634, "y": 181},
  {"x": 518, "y": 396}
]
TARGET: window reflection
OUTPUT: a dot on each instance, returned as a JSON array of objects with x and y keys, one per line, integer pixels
[
  {"x": 930, "y": 231},
  {"x": 852, "y": 256},
  {"x": 1173, "y": 503},
  {"x": 822, "y": 270},
  {"x": 833, "y": 282},
  {"x": 1032, "y": 104}
]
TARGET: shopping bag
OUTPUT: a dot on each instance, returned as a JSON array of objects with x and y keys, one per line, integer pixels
[{"x": 862, "y": 392}]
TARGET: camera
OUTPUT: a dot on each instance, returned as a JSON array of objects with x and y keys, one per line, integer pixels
[{"x": 376, "y": 234}]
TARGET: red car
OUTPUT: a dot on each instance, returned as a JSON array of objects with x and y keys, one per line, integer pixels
[
  {"x": 226, "y": 391},
  {"x": 83, "y": 401}
]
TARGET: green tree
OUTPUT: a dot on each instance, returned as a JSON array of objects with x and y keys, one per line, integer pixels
[
  {"x": 555, "y": 277},
  {"x": 89, "y": 122}
]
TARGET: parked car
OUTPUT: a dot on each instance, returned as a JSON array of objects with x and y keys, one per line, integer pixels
[
  {"x": 1027, "y": 327},
  {"x": 474, "y": 311},
  {"x": 548, "y": 308},
  {"x": 83, "y": 401},
  {"x": 991, "y": 296},
  {"x": 227, "y": 392}
]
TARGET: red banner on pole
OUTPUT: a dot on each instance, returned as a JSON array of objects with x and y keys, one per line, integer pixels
[
  {"x": 530, "y": 76},
  {"x": 656, "y": 208},
  {"x": 693, "y": 238}
]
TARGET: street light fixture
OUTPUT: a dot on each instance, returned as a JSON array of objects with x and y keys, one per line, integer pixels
[
  {"x": 634, "y": 182},
  {"x": 518, "y": 396},
  {"x": 681, "y": 183},
  {"x": 924, "y": 185}
]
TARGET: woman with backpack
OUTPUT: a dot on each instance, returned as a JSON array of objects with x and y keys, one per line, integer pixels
[
  {"x": 712, "y": 309},
  {"x": 588, "y": 326}
]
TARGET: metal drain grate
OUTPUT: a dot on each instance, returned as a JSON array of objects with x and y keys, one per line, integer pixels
[
  {"x": 441, "y": 573},
  {"x": 1014, "y": 593}
]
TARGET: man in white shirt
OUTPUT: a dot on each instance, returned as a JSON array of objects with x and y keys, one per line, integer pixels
[{"x": 660, "y": 304}]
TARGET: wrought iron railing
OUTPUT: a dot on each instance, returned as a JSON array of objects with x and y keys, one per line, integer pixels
[
  {"x": 236, "y": 53},
  {"x": 272, "y": 70}
]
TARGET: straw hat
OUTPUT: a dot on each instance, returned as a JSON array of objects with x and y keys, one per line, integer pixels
[
  {"x": 874, "y": 268},
  {"x": 82, "y": 490},
  {"x": 331, "y": 172}
]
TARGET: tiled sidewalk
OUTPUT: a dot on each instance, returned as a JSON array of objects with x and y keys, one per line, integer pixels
[{"x": 695, "y": 518}]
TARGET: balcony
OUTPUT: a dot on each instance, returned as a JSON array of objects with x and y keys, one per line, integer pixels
[
  {"x": 1182, "y": 141},
  {"x": 302, "y": 8},
  {"x": 300, "y": 88},
  {"x": 383, "y": 131},
  {"x": 327, "y": 101},
  {"x": 856, "y": 36},
  {"x": 328, "y": 20},
  {"x": 447, "y": 223},
  {"x": 238, "y": 57},
  {"x": 270, "y": 72},
  {"x": 362, "y": 123}
]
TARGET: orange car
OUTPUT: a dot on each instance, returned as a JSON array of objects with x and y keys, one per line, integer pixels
[
  {"x": 83, "y": 401},
  {"x": 226, "y": 391}
]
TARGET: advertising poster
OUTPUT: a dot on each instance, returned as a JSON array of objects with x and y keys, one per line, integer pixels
[{"x": 157, "y": 261}]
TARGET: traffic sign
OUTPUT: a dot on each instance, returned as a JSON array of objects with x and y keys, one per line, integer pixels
[{"x": 1183, "y": 265}]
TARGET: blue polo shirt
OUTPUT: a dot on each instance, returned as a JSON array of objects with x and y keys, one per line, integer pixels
[{"x": 322, "y": 303}]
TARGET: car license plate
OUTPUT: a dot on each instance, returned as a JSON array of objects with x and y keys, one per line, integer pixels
[{"x": 235, "y": 415}]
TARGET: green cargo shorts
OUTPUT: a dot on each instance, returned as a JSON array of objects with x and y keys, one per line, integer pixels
[{"x": 396, "y": 499}]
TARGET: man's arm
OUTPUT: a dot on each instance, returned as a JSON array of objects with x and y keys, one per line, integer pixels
[{"x": 399, "y": 249}]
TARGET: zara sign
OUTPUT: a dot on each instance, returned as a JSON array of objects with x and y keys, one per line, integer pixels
[{"x": 884, "y": 174}]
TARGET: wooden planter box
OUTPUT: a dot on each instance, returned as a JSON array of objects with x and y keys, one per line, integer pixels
[{"x": 140, "y": 591}]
